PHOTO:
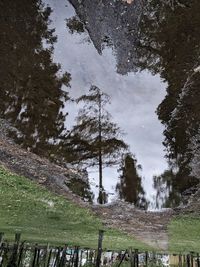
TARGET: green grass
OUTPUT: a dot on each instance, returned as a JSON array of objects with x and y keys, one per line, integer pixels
[
  {"x": 184, "y": 234},
  {"x": 42, "y": 217}
]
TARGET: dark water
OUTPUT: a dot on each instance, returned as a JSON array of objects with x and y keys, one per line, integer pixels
[{"x": 144, "y": 55}]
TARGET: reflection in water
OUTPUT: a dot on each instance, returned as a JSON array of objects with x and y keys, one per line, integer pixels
[
  {"x": 112, "y": 23},
  {"x": 130, "y": 186},
  {"x": 172, "y": 187},
  {"x": 95, "y": 140},
  {"x": 159, "y": 36},
  {"x": 133, "y": 105},
  {"x": 170, "y": 45},
  {"x": 81, "y": 188},
  {"x": 75, "y": 25},
  {"x": 31, "y": 88}
]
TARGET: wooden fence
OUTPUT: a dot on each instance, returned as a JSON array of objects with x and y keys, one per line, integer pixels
[{"x": 21, "y": 254}]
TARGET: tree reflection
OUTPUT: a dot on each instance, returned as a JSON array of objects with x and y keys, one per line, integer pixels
[
  {"x": 32, "y": 88},
  {"x": 75, "y": 25},
  {"x": 170, "y": 45},
  {"x": 163, "y": 37},
  {"x": 130, "y": 186},
  {"x": 171, "y": 187},
  {"x": 32, "y": 95},
  {"x": 110, "y": 24}
]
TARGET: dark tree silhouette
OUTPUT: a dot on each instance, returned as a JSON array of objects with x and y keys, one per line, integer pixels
[
  {"x": 171, "y": 187},
  {"x": 75, "y": 25},
  {"x": 130, "y": 186},
  {"x": 95, "y": 139},
  {"x": 31, "y": 86}
]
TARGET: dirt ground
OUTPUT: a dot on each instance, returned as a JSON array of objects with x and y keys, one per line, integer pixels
[{"x": 149, "y": 227}]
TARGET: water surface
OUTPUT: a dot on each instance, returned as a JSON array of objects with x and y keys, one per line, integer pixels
[{"x": 143, "y": 56}]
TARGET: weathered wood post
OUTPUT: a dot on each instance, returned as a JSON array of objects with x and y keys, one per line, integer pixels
[
  {"x": 57, "y": 259},
  {"x": 1, "y": 245},
  {"x": 21, "y": 251},
  {"x": 198, "y": 263},
  {"x": 38, "y": 258},
  {"x": 34, "y": 256},
  {"x": 76, "y": 256},
  {"x": 87, "y": 256},
  {"x": 13, "y": 258},
  {"x": 92, "y": 256},
  {"x": 184, "y": 259},
  {"x": 63, "y": 257},
  {"x": 49, "y": 258},
  {"x": 180, "y": 260},
  {"x": 1, "y": 238},
  {"x": 192, "y": 258},
  {"x": 99, "y": 251},
  {"x": 146, "y": 258},
  {"x": 72, "y": 258},
  {"x": 188, "y": 260},
  {"x": 46, "y": 250},
  {"x": 132, "y": 257},
  {"x": 136, "y": 258}
]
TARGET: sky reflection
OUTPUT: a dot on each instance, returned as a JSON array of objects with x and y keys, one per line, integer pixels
[{"x": 134, "y": 97}]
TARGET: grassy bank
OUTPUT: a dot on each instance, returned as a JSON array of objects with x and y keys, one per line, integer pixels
[
  {"x": 42, "y": 217},
  {"x": 184, "y": 233}
]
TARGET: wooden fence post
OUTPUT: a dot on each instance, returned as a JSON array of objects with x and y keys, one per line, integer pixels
[
  {"x": 21, "y": 250},
  {"x": 132, "y": 257},
  {"x": 46, "y": 250},
  {"x": 72, "y": 258},
  {"x": 1, "y": 238},
  {"x": 49, "y": 258},
  {"x": 99, "y": 251},
  {"x": 188, "y": 260},
  {"x": 180, "y": 260},
  {"x": 63, "y": 257},
  {"x": 136, "y": 258},
  {"x": 192, "y": 258},
  {"x": 34, "y": 256},
  {"x": 57, "y": 259},
  {"x": 13, "y": 258},
  {"x": 146, "y": 258},
  {"x": 198, "y": 263},
  {"x": 38, "y": 258},
  {"x": 76, "y": 256}
]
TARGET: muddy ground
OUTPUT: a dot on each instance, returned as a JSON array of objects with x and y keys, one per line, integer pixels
[{"x": 149, "y": 227}]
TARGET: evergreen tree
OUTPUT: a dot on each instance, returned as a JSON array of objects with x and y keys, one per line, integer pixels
[
  {"x": 130, "y": 186},
  {"x": 170, "y": 187},
  {"x": 31, "y": 92},
  {"x": 95, "y": 139},
  {"x": 169, "y": 45}
]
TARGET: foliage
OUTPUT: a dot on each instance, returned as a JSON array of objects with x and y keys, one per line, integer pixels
[
  {"x": 31, "y": 90},
  {"x": 92, "y": 121},
  {"x": 95, "y": 139},
  {"x": 75, "y": 25},
  {"x": 169, "y": 45},
  {"x": 170, "y": 186},
  {"x": 130, "y": 186},
  {"x": 81, "y": 188}
]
